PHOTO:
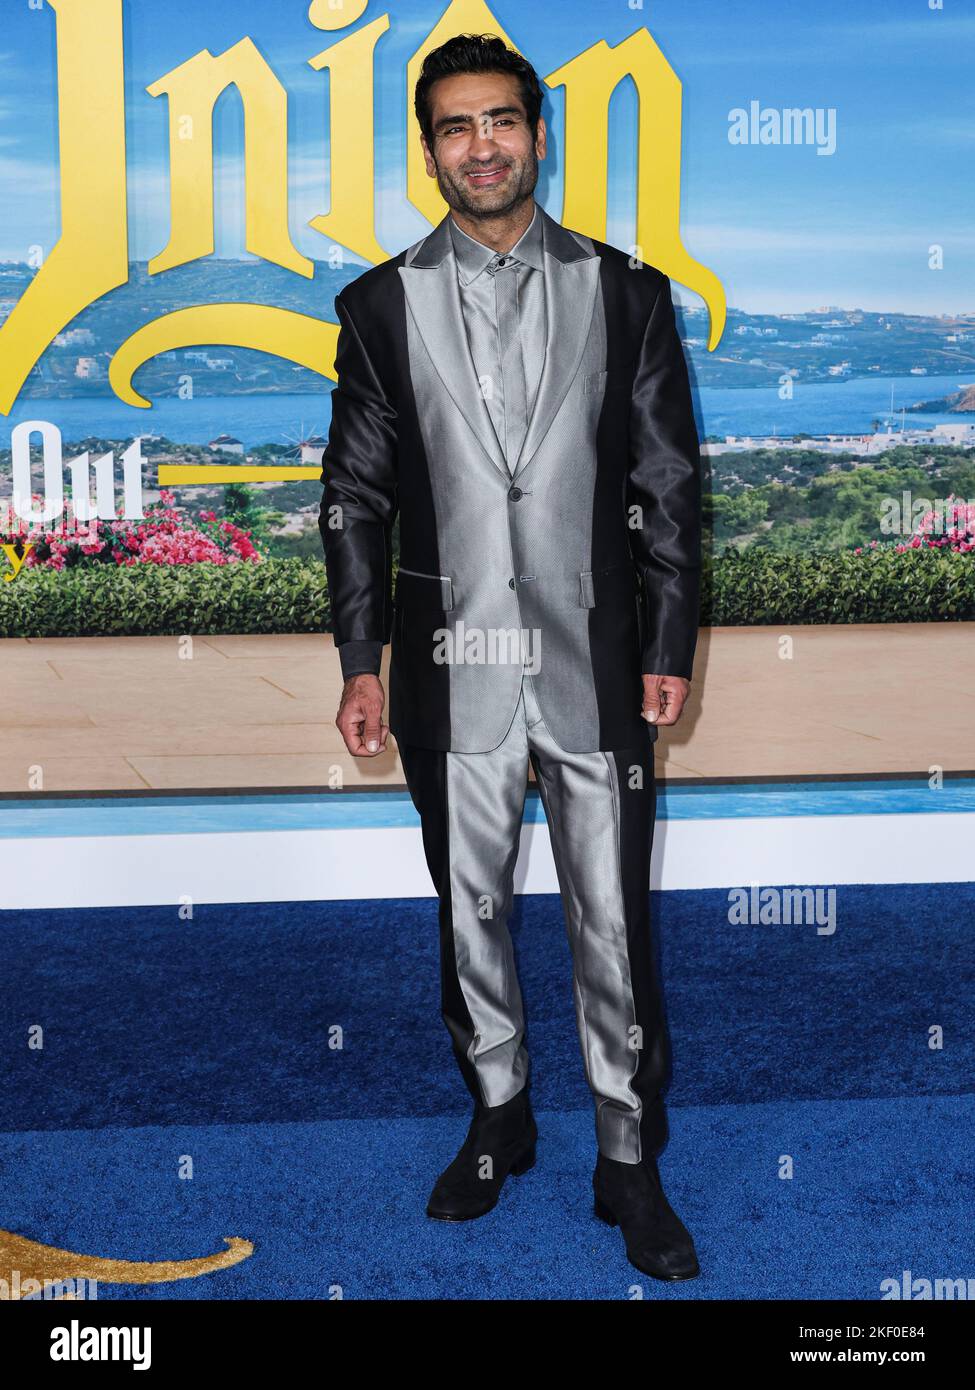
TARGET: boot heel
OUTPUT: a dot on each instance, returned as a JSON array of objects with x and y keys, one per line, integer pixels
[
  {"x": 526, "y": 1161},
  {"x": 604, "y": 1213}
]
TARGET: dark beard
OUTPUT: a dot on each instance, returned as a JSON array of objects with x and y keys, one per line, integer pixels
[{"x": 456, "y": 196}]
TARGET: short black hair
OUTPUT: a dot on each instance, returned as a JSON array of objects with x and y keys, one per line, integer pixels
[{"x": 475, "y": 53}]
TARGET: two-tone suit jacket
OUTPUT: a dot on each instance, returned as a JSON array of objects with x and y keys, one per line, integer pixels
[{"x": 584, "y": 558}]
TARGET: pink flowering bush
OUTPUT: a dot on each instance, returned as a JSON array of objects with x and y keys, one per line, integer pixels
[
  {"x": 164, "y": 536},
  {"x": 951, "y": 527}
]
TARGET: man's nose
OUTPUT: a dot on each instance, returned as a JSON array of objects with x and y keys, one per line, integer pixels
[{"x": 483, "y": 142}]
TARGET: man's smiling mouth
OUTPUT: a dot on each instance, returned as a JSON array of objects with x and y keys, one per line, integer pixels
[{"x": 487, "y": 176}]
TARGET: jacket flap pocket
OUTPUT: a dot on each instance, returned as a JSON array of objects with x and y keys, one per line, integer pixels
[
  {"x": 610, "y": 379},
  {"x": 617, "y": 584},
  {"x": 416, "y": 590}
]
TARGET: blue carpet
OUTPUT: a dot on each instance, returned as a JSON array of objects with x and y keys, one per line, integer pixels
[
  {"x": 879, "y": 1186},
  {"x": 209, "y": 1038}
]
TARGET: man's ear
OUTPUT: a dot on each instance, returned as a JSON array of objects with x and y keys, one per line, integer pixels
[
  {"x": 540, "y": 138},
  {"x": 428, "y": 157}
]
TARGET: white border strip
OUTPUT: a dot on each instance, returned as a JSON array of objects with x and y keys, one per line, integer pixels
[{"x": 321, "y": 865}]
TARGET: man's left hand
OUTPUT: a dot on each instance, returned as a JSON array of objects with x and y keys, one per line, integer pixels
[{"x": 663, "y": 698}]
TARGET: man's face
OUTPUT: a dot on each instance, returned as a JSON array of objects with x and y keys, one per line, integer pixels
[{"x": 483, "y": 156}]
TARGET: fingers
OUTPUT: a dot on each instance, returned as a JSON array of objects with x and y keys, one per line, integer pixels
[
  {"x": 362, "y": 729},
  {"x": 359, "y": 719},
  {"x": 370, "y": 726},
  {"x": 664, "y": 698},
  {"x": 651, "y": 698},
  {"x": 357, "y": 741},
  {"x": 673, "y": 703}
]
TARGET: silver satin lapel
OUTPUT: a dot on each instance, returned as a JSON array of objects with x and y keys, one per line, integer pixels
[
  {"x": 434, "y": 301},
  {"x": 570, "y": 296},
  {"x": 571, "y": 283}
]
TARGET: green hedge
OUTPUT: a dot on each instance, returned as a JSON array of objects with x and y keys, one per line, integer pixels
[
  {"x": 880, "y": 586},
  {"x": 109, "y": 600},
  {"x": 740, "y": 588}
]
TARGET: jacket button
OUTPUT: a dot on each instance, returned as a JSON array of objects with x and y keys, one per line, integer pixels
[
  {"x": 511, "y": 583},
  {"x": 515, "y": 494}
]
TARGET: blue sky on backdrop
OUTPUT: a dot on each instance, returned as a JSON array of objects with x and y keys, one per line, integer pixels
[{"x": 783, "y": 227}]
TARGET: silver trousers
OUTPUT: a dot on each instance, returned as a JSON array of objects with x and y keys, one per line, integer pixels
[{"x": 600, "y": 812}]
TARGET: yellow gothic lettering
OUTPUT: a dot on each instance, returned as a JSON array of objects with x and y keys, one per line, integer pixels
[
  {"x": 351, "y": 219},
  {"x": 589, "y": 81},
  {"x": 91, "y": 258},
  {"x": 193, "y": 89}
]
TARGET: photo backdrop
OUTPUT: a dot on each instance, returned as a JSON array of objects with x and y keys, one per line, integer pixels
[{"x": 187, "y": 187}]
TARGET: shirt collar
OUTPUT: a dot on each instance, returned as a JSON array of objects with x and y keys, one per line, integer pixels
[{"x": 473, "y": 256}]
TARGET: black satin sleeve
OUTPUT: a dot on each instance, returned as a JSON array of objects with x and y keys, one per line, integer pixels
[
  {"x": 360, "y": 658},
  {"x": 664, "y": 483},
  {"x": 359, "y": 498}
]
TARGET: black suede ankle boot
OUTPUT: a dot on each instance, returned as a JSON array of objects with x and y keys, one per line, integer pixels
[
  {"x": 500, "y": 1140},
  {"x": 631, "y": 1196}
]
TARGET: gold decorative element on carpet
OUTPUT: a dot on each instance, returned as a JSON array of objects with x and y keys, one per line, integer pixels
[{"x": 48, "y": 1265}]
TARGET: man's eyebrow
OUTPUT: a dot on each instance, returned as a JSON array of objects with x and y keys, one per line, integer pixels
[{"x": 467, "y": 116}]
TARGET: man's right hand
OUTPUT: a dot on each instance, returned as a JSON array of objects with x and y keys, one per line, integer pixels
[{"x": 360, "y": 715}]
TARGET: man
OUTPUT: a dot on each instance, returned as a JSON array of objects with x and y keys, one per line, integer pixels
[{"x": 516, "y": 392}]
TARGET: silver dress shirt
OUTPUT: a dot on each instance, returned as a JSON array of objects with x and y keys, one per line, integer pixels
[{"x": 503, "y": 301}]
